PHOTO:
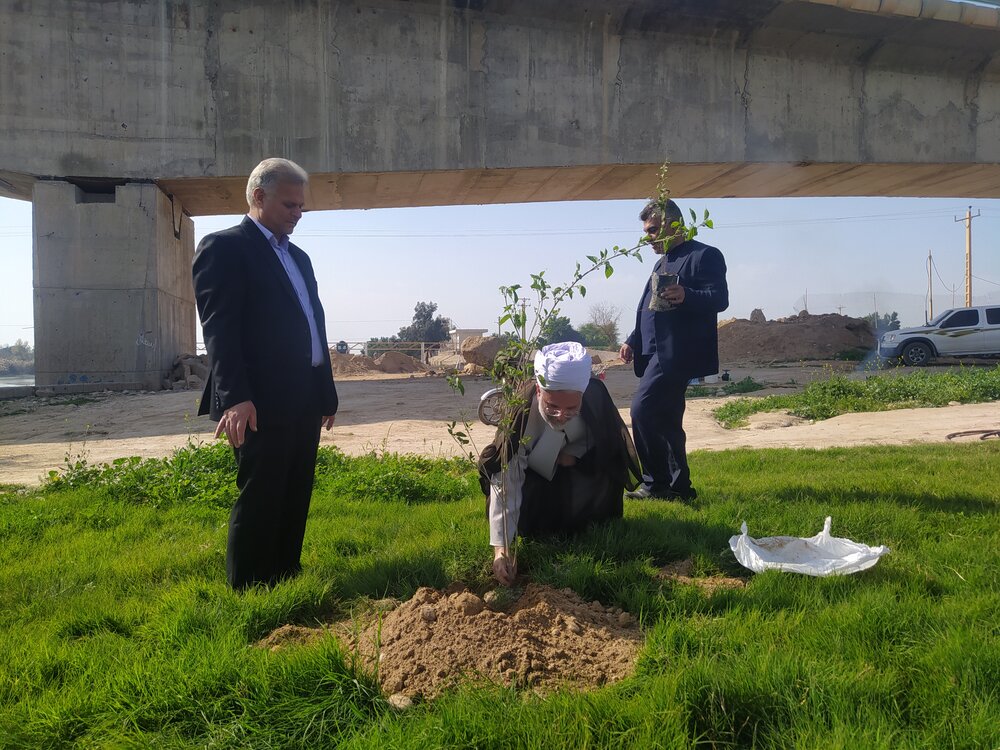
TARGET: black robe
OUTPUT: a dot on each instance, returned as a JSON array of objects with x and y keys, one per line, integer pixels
[{"x": 588, "y": 492}]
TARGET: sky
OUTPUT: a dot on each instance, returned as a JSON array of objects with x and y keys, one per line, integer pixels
[{"x": 849, "y": 255}]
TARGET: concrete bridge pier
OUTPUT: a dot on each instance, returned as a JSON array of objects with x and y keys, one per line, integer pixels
[{"x": 112, "y": 284}]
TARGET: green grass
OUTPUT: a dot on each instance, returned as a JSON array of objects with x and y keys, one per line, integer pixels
[
  {"x": 746, "y": 385},
  {"x": 117, "y": 629},
  {"x": 839, "y": 395}
]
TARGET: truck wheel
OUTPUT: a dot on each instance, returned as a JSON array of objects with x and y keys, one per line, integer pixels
[{"x": 917, "y": 354}]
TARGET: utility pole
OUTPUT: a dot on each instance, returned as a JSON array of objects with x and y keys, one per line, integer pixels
[
  {"x": 968, "y": 254},
  {"x": 930, "y": 288}
]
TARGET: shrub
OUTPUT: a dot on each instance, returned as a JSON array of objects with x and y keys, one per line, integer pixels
[
  {"x": 390, "y": 477},
  {"x": 840, "y": 395},
  {"x": 206, "y": 474}
]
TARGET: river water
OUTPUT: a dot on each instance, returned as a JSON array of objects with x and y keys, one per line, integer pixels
[{"x": 9, "y": 381}]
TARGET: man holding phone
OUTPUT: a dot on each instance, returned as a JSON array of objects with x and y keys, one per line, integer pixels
[{"x": 675, "y": 339}]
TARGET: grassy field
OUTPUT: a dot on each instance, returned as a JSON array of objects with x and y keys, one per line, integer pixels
[
  {"x": 839, "y": 394},
  {"x": 117, "y": 630}
]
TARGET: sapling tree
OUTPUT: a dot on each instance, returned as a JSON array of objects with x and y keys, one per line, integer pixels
[{"x": 528, "y": 312}]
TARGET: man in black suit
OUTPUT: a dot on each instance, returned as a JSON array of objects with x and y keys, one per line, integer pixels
[
  {"x": 271, "y": 384},
  {"x": 675, "y": 339}
]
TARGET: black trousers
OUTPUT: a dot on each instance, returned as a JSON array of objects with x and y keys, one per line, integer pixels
[
  {"x": 658, "y": 430},
  {"x": 276, "y": 468}
]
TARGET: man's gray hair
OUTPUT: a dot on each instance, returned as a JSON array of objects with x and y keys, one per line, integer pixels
[
  {"x": 270, "y": 172},
  {"x": 668, "y": 212}
]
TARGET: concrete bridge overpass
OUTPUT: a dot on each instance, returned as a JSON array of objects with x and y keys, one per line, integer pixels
[{"x": 124, "y": 119}]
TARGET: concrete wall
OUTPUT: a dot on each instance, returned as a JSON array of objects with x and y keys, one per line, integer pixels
[
  {"x": 114, "y": 302},
  {"x": 189, "y": 88}
]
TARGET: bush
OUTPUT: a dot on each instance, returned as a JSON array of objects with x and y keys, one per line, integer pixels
[
  {"x": 840, "y": 395},
  {"x": 390, "y": 477},
  {"x": 206, "y": 475}
]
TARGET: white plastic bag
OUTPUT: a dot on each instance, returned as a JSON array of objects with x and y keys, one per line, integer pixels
[{"x": 820, "y": 555}]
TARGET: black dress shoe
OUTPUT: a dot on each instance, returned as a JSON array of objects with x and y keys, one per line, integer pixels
[
  {"x": 644, "y": 493},
  {"x": 639, "y": 493}
]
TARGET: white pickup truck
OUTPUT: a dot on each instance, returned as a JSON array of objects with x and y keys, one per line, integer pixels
[{"x": 961, "y": 332}]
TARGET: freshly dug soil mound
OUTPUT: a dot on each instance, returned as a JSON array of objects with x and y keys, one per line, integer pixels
[
  {"x": 802, "y": 337},
  {"x": 549, "y": 638}
]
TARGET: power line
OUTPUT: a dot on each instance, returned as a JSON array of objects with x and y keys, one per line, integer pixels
[{"x": 951, "y": 289}]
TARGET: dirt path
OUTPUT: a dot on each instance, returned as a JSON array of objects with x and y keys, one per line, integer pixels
[{"x": 410, "y": 415}]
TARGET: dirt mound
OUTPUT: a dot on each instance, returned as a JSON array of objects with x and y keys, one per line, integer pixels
[
  {"x": 352, "y": 364},
  {"x": 803, "y": 337},
  {"x": 397, "y": 362},
  {"x": 549, "y": 638},
  {"x": 481, "y": 350}
]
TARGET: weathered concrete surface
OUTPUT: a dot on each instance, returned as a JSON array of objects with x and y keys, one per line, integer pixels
[
  {"x": 393, "y": 103},
  {"x": 423, "y": 102},
  {"x": 113, "y": 296}
]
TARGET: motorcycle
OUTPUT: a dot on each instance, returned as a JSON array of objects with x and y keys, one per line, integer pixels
[{"x": 490, "y": 403}]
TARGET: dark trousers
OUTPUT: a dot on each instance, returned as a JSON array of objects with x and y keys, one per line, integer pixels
[
  {"x": 276, "y": 467},
  {"x": 658, "y": 429}
]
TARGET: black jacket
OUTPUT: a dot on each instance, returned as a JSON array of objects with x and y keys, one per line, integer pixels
[
  {"x": 687, "y": 338},
  {"x": 257, "y": 336}
]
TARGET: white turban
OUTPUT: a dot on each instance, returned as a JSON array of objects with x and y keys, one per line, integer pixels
[{"x": 564, "y": 366}]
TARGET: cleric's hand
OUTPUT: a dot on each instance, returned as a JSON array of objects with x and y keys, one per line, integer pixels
[
  {"x": 504, "y": 566},
  {"x": 566, "y": 459},
  {"x": 625, "y": 353}
]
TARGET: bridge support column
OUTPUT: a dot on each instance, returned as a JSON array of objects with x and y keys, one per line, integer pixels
[{"x": 112, "y": 277}]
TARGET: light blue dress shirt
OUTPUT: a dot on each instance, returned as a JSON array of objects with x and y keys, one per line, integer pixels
[{"x": 299, "y": 285}]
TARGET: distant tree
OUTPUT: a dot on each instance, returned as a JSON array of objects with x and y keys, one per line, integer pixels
[
  {"x": 882, "y": 323},
  {"x": 558, "y": 328},
  {"x": 596, "y": 337},
  {"x": 426, "y": 327},
  {"x": 604, "y": 316},
  {"x": 17, "y": 359},
  {"x": 382, "y": 344}
]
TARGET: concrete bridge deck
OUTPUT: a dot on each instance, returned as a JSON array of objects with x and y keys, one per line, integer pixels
[{"x": 123, "y": 119}]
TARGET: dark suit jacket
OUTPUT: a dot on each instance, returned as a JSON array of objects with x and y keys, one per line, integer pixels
[
  {"x": 257, "y": 336},
  {"x": 687, "y": 337}
]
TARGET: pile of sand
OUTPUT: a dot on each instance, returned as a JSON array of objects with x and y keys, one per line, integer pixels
[
  {"x": 390, "y": 362},
  {"x": 802, "y": 337},
  {"x": 352, "y": 364},
  {"x": 546, "y": 639},
  {"x": 397, "y": 362},
  {"x": 481, "y": 350},
  {"x": 549, "y": 638}
]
